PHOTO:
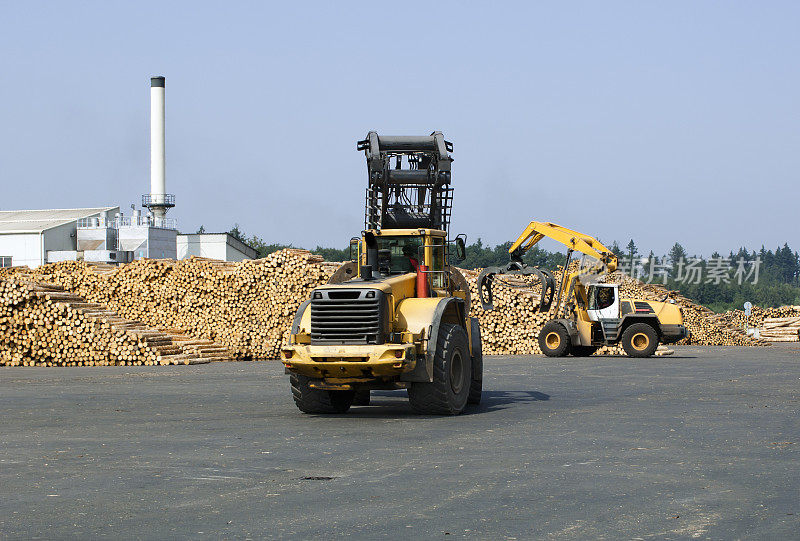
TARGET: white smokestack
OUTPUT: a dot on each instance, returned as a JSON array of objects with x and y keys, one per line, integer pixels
[{"x": 158, "y": 187}]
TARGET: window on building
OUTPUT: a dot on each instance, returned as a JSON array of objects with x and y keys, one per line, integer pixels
[{"x": 5, "y": 261}]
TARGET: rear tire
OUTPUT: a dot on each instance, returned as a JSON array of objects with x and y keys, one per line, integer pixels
[
  {"x": 554, "y": 340},
  {"x": 361, "y": 398},
  {"x": 447, "y": 394},
  {"x": 476, "y": 384},
  {"x": 475, "y": 392},
  {"x": 583, "y": 351},
  {"x": 310, "y": 400},
  {"x": 640, "y": 340}
]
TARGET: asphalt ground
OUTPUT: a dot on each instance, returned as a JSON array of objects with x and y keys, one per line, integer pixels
[{"x": 702, "y": 444}]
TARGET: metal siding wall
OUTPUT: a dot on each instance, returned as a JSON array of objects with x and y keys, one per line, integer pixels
[
  {"x": 61, "y": 238},
  {"x": 23, "y": 248},
  {"x": 163, "y": 243},
  {"x": 232, "y": 254}
]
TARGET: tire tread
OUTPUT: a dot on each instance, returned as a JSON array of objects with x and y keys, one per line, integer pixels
[
  {"x": 628, "y": 333},
  {"x": 432, "y": 398},
  {"x": 310, "y": 400}
]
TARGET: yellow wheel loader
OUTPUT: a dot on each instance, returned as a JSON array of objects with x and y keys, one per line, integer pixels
[
  {"x": 396, "y": 317},
  {"x": 593, "y": 313}
]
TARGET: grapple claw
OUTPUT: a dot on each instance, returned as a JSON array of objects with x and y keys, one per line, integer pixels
[{"x": 486, "y": 277}]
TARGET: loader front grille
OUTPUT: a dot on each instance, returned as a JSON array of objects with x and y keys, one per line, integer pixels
[{"x": 347, "y": 316}]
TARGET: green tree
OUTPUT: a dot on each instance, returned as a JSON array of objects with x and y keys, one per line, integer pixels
[
  {"x": 676, "y": 253},
  {"x": 262, "y": 248},
  {"x": 333, "y": 254},
  {"x": 237, "y": 233},
  {"x": 632, "y": 250}
]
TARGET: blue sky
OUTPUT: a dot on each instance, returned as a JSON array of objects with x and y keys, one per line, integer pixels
[{"x": 656, "y": 121}]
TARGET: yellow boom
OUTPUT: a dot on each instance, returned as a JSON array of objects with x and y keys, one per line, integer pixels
[{"x": 573, "y": 240}]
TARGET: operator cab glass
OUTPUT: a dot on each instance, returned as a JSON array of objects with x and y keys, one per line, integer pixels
[
  {"x": 603, "y": 302},
  {"x": 601, "y": 297},
  {"x": 397, "y": 255},
  {"x": 436, "y": 258}
]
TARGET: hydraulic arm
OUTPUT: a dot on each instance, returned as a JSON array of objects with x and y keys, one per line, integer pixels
[{"x": 573, "y": 240}]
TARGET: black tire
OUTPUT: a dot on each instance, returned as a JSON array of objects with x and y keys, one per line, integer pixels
[
  {"x": 361, "y": 398},
  {"x": 640, "y": 340},
  {"x": 452, "y": 376},
  {"x": 582, "y": 351},
  {"x": 310, "y": 400},
  {"x": 476, "y": 383},
  {"x": 554, "y": 340},
  {"x": 475, "y": 392}
]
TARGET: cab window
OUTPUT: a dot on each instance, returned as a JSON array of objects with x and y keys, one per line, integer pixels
[
  {"x": 601, "y": 297},
  {"x": 398, "y": 255},
  {"x": 437, "y": 248}
]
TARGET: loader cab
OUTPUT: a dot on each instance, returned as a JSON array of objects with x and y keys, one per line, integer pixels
[
  {"x": 401, "y": 251},
  {"x": 399, "y": 254},
  {"x": 603, "y": 301}
]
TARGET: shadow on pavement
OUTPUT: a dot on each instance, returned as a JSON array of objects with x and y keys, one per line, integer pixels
[
  {"x": 640, "y": 359},
  {"x": 387, "y": 404},
  {"x": 494, "y": 400}
]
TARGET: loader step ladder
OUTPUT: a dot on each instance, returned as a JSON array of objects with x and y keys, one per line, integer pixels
[{"x": 610, "y": 328}]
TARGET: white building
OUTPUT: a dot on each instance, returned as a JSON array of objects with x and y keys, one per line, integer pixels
[
  {"x": 222, "y": 246},
  {"x": 27, "y": 236},
  {"x": 133, "y": 237}
]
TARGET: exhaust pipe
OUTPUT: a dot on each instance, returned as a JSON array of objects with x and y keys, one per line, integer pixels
[
  {"x": 372, "y": 251},
  {"x": 366, "y": 272}
]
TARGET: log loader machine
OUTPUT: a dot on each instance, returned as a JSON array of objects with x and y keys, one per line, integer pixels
[
  {"x": 593, "y": 314},
  {"x": 396, "y": 317}
]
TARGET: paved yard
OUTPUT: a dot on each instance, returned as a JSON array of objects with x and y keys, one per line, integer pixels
[{"x": 704, "y": 444}]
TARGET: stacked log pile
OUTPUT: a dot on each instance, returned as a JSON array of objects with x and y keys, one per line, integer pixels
[
  {"x": 781, "y": 329},
  {"x": 512, "y": 328},
  {"x": 772, "y": 324},
  {"x": 247, "y": 307},
  {"x": 41, "y": 324},
  {"x": 199, "y": 310}
]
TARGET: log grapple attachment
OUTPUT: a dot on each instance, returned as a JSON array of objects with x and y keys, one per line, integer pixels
[{"x": 486, "y": 278}]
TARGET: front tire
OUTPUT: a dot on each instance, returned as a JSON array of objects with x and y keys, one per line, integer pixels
[
  {"x": 640, "y": 340},
  {"x": 554, "y": 340},
  {"x": 449, "y": 391},
  {"x": 310, "y": 400}
]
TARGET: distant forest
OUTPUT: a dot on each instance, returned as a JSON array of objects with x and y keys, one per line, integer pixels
[{"x": 764, "y": 277}]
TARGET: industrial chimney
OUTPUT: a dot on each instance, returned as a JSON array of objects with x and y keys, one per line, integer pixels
[{"x": 158, "y": 201}]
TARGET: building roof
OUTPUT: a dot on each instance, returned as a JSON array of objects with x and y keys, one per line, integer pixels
[{"x": 36, "y": 221}]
